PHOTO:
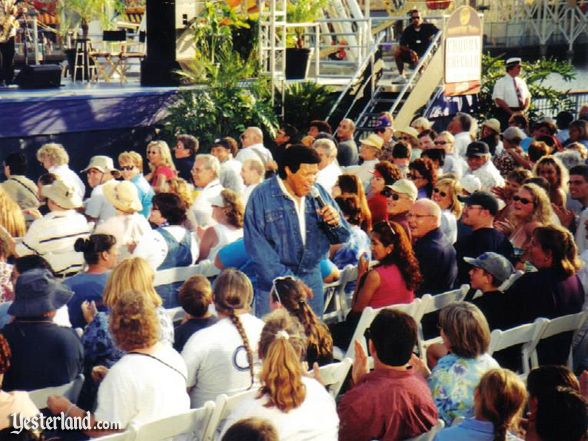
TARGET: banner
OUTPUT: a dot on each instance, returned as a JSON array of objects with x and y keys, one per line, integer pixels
[{"x": 463, "y": 52}]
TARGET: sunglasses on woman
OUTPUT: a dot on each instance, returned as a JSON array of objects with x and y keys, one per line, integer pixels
[
  {"x": 441, "y": 193},
  {"x": 390, "y": 194},
  {"x": 523, "y": 201}
]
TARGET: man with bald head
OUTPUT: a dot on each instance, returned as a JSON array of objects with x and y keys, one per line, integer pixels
[
  {"x": 347, "y": 152},
  {"x": 252, "y": 146},
  {"x": 432, "y": 248}
]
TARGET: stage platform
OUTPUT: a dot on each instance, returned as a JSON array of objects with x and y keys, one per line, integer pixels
[{"x": 81, "y": 107}]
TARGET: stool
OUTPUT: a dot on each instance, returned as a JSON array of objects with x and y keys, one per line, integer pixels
[{"x": 82, "y": 61}]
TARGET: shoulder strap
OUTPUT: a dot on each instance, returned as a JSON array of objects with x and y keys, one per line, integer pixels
[
  {"x": 12, "y": 178},
  {"x": 161, "y": 361}
]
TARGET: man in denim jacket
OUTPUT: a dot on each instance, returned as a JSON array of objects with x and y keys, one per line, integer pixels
[{"x": 286, "y": 230}]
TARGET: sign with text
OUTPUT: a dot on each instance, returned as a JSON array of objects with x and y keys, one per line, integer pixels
[{"x": 463, "y": 52}]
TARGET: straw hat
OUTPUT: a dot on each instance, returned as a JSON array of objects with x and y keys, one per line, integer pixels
[
  {"x": 410, "y": 131},
  {"x": 63, "y": 194},
  {"x": 122, "y": 195},
  {"x": 103, "y": 164},
  {"x": 373, "y": 141}
]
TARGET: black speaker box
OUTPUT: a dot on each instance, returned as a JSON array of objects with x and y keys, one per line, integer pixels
[{"x": 41, "y": 76}]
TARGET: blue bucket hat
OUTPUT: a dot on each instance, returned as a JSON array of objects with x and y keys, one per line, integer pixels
[{"x": 38, "y": 292}]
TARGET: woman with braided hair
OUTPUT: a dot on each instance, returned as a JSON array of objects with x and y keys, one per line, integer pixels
[
  {"x": 220, "y": 358},
  {"x": 298, "y": 406},
  {"x": 291, "y": 294},
  {"x": 499, "y": 401}
]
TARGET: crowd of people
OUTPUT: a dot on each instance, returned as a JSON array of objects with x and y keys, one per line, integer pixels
[{"x": 263, "y": 225}]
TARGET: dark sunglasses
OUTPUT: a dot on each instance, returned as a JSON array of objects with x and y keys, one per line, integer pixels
[
  {"x": 442, "y": 193},
  {"x": 523, "y": 201},
  {"x": 390, "y": 194},
  {"x": 440, "y": 142},
  {"x": 405, "y": 138},
  {"x": 415, "y": 17},
  {"x": 127, "y": 167}
]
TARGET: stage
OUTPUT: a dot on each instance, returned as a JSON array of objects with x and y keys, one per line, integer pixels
[{"x": 81, "y": 107}]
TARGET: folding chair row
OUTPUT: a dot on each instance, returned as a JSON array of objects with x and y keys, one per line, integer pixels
[
  {"x": 337, "y": 292},
  {"x": 70, "y": 390}
]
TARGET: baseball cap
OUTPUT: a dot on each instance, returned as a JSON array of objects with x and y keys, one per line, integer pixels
[
  {"x": 405, "y": 186},
  {"x": 493, "y": 263},
  {"x": 477, "y": 148},
  {"x": 484, "y": 200}
]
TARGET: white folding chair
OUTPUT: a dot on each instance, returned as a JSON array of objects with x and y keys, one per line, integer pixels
[
  {"x": 337, "y": 292},
  {"x": 526, "y": 335},
  {"x": 333, "y": 375},
  {"x": 173, "y": 275},
  {"x": 175, "y": 314},
  {"x": 224, "y": 406},
  {"x": 192, "y": 423},
  {"x": 127, "y": 435},
  {"x": 430, "y": 435},
  {"x": 69, "y": 390},
  {"x": 559, "y": 325}
]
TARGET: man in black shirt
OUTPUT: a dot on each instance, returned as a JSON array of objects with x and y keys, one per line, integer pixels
[
  {"x": 479, "y": 211},
  {"x": 414, "y": 41}
]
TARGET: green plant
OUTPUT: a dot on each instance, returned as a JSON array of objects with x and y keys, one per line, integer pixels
[
  {"x": 306, "y": 101},
  {"x": 535, "y": 74},
  {"x": 79, "y": 13},
  {"x": 302, "y": 11},
  {"x": 232, "y": 99}
]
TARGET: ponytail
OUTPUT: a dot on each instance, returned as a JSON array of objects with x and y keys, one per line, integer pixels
[{"x": 237, "y": 322}]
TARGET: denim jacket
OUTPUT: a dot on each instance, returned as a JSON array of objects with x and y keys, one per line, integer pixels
[{"x": 272, "y": 234}]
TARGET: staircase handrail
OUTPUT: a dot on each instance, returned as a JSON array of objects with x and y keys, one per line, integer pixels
[{"x": 358, "y": 72}]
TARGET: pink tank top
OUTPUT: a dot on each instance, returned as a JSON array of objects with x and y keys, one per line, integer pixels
[{"x": 392, "y": 288}]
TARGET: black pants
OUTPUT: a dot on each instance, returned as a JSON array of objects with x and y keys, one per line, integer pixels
[{"x": 7, "y": 61}]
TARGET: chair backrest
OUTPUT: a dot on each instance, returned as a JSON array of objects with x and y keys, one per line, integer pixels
[
  {"x": 559, "y": 325},
  {"x": 193, "y": 423},
  {"x": 175, "y": 314},
  {"x": 333, "y": 375},
  {"x": 173, "y": 275},
  {"x": 337, "y": 291},
  {"x": 439, "y": 301},
  {"x": 430, "y": 435},
  {"x": 70, "y": 390},
  {"x": 526, "y": 335},
  {"x": 224, "y": 406}
]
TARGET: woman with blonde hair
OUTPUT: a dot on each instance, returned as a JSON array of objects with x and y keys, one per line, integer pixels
[
  {"x": 530, "y": 209},
  {"x": 220, "y": 358},
  {"x": 499, "y": 401},
  {"x": 54, "y": 158},
  {"x": 131, "y": 168},
  {"x": 11, "y": 216},
  {"x": 147, "y": 383},
  {"x": 161, "y": 165},
  {"x": 445, "y": 194},
  {"x": 287, "y": 397},
  {"x": 291, "y": 294}
]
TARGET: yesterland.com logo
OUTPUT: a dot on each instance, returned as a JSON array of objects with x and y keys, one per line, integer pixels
[{"x": 60, "y": 422}]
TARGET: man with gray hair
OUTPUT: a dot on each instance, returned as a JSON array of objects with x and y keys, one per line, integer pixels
[
  {"x": 252, "y": 146},
  {"x": 432, "y": 248},
  {"x": 205, "y": 174},
  {"x": 347, "y": 153},
  {"x": 329, "y": 170}
]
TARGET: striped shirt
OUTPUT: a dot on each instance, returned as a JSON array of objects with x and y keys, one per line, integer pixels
[{"x": 53, "y": 237}]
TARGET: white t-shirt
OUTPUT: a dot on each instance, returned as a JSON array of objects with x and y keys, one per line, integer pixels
[
  {"x": 217, "y": 360},
  {"x": 201, "y": 207},
  {"x": 141, "y": 389},
  {"x": 255, "y": 151},
  {"x": 364, "y": 171},
  {"x": 328, "y": 176},
  {"x": 153, "y": 247},
  {"x": 97, "y": 207},
  {"x": 127, "y": 229},
  {"x": 315, "y": 419}
]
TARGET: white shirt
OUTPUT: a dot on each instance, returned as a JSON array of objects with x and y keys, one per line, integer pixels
[
  {"x": 255, "y": 151},
  {"x": 70, "y": 177},
  {"x": 230, "y": 175},
  {"x": 299, "y": 206},
  {"x": 328, "y": 176},
  {"x": 53, "y": 237},
  {"x": 489, "y": 176},
  {"x": 98, "y": 207},
  {"x": 247, "y": 192},
  {"x": 456, "y": 165},
  {"x": 449, "y": 225},
  {"x": 127, "y": 228},
  {"x": 315, "y": 419},
  {"x": 505, "y": 90},
  {"x": 141, "y": 389},
  {"x": 153, "y": 247},
  {"x": 581, "y": 240},
  {"x": 217, "y": 360},
  {"x": 201, "y": 207},
  {"x": 364, "y": 171},
  {"x": 462, "y": 140}
]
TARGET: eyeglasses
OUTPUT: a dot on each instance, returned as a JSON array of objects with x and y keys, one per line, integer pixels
[
  {"x": 440, "y": 142},
  {"x": 441, "y": 193},
  {"x": 415, "y": 17},
  {"x": 523, "y": 201},
  {"x": 405, "y": 138},
  {"x": 419, "y": 216},
  {"x": 390, "y": 194},
  {"x": 275, "y": 291},
  {"x": 127, "y": 167}
]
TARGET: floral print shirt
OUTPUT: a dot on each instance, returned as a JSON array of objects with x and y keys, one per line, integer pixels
[{"x": 453, "y": 381}]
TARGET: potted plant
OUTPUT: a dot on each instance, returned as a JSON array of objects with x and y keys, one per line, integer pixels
[{"x": 298, "y": 56}]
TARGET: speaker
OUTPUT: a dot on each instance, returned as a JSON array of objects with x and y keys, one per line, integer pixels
[{"x": 41, "y": 76}]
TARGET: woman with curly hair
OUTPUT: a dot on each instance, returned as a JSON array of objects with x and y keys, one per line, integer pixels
[
  {"x": 531, "y": 208},
  {"x": 286, "y": 396},
  {"x": 358, "y": 244},
  {"x": 351, "y": 185},
  {"x": 228, "y": 211},
  {"x": 385, "y": 173},
  {"x": 54, "y": 158},
  {"x": 424, "y": 175},
  {"x": 553, "y": 171},
  {"x": 220, "y": 358},
  {"x": 183, "y": 190},
  {"x": 147, "y": 383},
  {"x": 291, "y": 294},
  {"x": 161, "y": 165},
  {"x": 445, "y": 195}
]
